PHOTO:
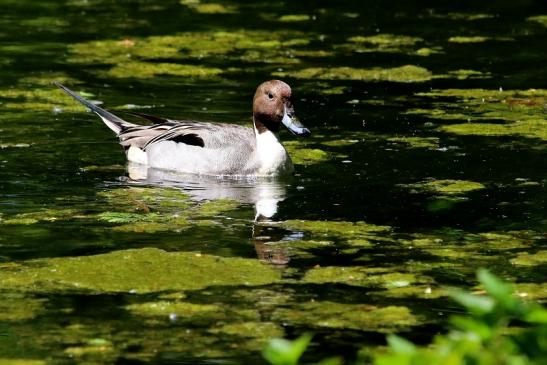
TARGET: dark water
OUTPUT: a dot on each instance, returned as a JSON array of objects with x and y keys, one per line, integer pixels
[{"x": 427, "y": 161}]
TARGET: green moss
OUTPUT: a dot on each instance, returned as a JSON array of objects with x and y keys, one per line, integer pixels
[
  {"x": 407, "y": 73},
  {"x": 461, "y": 16},
  {"x": 14, "y": 307},
  {"x": 523, "y": 111},
  {"x": 417, "y": 142},
  {"x": 344, "y": 229},
  {"x": 462, "y": 39},
  {"x": 143, "y": 271},
  {"x": 530, "y": 259},
  {"x": 40, "y": 99},
  {"x": 530, "y": 128},
  {"x": 209, "y": 8},
  {"x": 348, "y": 316},
  {"x": 425, "y": 51},
  {"x": 138, "y": 54},
  {"x": 44, "y": 215},
  {"x": 388, "y": 43},
  {"x": 301, "y": 155},
  {"x": 138, "y": 69},
  {"x": 532, "y": 291},
  {"x": 166, "y": 308},
  {"x": 4, "y": 361},
  {"x": 262, "y": 330},
  {"x": 360, "y": 276},
  {"x": 294, "y": 18},
  {"x": 447, "y": 187},
  {"x": 468, "y": 74},
  {"x": 215, "y": 207},
  {"x": 541, "y": 19}
]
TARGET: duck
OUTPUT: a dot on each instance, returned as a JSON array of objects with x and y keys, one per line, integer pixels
[{"x": 206, "y": 148}]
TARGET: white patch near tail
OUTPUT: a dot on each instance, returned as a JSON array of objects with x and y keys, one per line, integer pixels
[
  {"x": 136, "y": 155},
  {"x": 116, "y": 128}
]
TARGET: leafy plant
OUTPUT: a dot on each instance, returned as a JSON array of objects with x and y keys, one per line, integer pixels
[{"x": 500, "y": 329}]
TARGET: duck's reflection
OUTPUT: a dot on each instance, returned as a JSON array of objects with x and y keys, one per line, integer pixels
[{"x": 264, "y": 194}]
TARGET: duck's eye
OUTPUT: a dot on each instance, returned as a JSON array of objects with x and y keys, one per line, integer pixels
[{"x": 270, "y": 96}]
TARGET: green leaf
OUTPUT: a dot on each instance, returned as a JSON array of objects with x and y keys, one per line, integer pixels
[
  {"x": 474, "y": 303},
  {"x": 400, "y": 345},
  {"x": 479, "y": 328},
  {"x": 501, "y": 291},
  {"x": 536, "y": 315},
  {"x": 284, "y": 352}
]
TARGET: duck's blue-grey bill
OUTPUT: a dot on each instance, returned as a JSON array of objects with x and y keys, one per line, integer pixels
[{"x": 295, "y": 126}]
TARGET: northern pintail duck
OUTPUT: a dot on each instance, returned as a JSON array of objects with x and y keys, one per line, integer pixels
[{"x": 211, "y": 148}]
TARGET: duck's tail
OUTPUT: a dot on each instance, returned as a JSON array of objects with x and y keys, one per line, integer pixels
[{"x": 112, "y": 121}]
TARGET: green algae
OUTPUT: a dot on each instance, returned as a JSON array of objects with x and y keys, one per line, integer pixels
[
  {"x": 403, "y": 74},
  {"x": 541, "y": 19},
  {"x": 361, "y": 276},
  {"x": 294, "y": 18},
  {"x": 447, "y": 187},
  {"x": 463, "y": 39},
  {"x": 16, "y": 307},
  {"x": 43, "y": 215},
  {"x": 11, "y": 361},
  {"x": 530, "y": 259},
  {"x": 141, "y": 55},
  {"x": 38, "y": 99},
  {"x": 167, "y": 308},
  {"x": 144, "y": 270},
  {"x": 521, "y": 110},
  {"x": 417, "y": 142},
  {"x": 361, "y": 317},
  {"x": 262, "y": 330},
  {"x": 209, "y": 8},
  {"x": 305, "y": 156},
  {"x": 389, "y": 43},
  {"x": 148, "y": 69},
  {"x": 468, "y": 74},
  {"x": 530, "y": 128},
  {"x": 215, "y": 207},
  {"x": 344, "y": 229}
]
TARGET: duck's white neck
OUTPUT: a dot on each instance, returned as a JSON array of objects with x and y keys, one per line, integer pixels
[{"x": 272, "y": 155}]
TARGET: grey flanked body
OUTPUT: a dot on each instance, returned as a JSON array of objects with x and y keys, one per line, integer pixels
[{"x": 211, "y": 148}]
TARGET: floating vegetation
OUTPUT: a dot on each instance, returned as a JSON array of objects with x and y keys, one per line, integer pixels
[
  {"x": 294, "y": 18},
  {"x": 170, "y": 308},
  {"x": 462, "y": 39},
  {"x": 407, "y": 73},
  {"x": 362, "y": 276},
  {"x": 305, "y": 156},
  {"x": 431, "y": 143},
  {"x": 148, "y": 69},
  {"x": 389, "y": 43},
  {"x": 348, "y": 230},
  {"x": 446, "y": 187},
  {"x": 40, "y": 99},
  {"x": 541, "y": 19},
  {"x": 17, "y": 307},
  {"x": 139, "y": 57},
  {"x": 462, "y": 16},
  {"x": 139, "y": 271},
  {"x": 209, "y": 8},
  {"x": 522, "y": 111},
  {"x": 362, "y": 317},
  {"x": 530, "y": 259}
]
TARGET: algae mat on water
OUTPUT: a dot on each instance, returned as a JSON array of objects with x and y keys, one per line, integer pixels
[{"x": 138, "y": 271}]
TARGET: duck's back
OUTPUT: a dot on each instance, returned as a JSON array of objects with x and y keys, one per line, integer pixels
[{"x": 212, "y": 149}]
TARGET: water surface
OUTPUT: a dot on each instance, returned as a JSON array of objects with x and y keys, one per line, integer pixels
[{"x": 427, "y": 161}]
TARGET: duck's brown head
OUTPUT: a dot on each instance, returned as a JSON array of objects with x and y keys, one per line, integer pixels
[{"x": 272, "y": 107}]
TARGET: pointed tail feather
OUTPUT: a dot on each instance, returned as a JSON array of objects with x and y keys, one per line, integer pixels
[{"x": 112, "y": 121}]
